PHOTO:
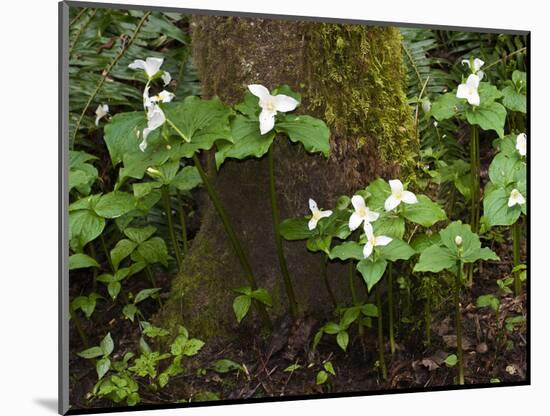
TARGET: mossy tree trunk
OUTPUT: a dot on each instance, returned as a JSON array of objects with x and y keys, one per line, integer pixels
[{"x": 349, "y": 75}]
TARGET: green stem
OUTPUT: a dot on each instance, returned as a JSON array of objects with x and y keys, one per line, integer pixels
[
  {"x": 428, "y": 317},
  {"x": 151, "y": 276},
  {"x": 381, "y": 357},
  {"x": 474, "y": 172},
  {"x": 278, "y": 240},
  {"x": 169, "y": 220},
  {"x": 390, "y": 309},
  {"x": 351, "y": 275},
  {"x": 94, "y": 256},
  {"x": 516, "y": 239},
  {"x": 475, "y": 204},
  {"x": 233, "y": 238},
  {"x": 152, "y": 280},
  {"x": 324, "y": 268},
  {"x": 107, "y": 254},
  {"x": 183, "y": 224},
  {"x": 78, "y": 326},
  {"x": 458, "y": 324}
]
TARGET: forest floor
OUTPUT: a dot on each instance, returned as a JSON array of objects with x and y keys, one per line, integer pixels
[{"x": 493, "y": 353}]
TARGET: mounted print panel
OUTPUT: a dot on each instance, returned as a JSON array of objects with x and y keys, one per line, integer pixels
[{"x": 265, "y": 208}]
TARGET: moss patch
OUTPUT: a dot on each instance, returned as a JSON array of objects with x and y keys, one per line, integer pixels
[{"x": 356, "y": 80}]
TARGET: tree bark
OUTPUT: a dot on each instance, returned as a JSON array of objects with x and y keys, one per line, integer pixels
[{"x": 349, "y": 75}]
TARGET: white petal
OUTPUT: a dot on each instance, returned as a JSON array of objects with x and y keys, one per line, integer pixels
[
  {"x": 147, "y": 102},
  {"x": 325, "y": 214},
  {"x": 408, "y": 197},
  {"x": 396, "y": 186},
  {"x": 101, "y": 111},
  {"x": 391, "y": 203},
  {"x": 515, "y": 198},
  {"x": 372, "y": 215},
  {"x": 462, "y": 91},
  {"x": 367, "y": 250},
  {"x": 312, "y": 224},
  {"x": 259, "y": 91},
  {"x": 155, "y": 118},
  {"x": 473, "y": 98},
  {"x": 472, "y": 81},
  {"x": 358, "y": 202},
  {"x": 143, "y": 144},
  {"x": 137, "y": 64},
  {"x": 478, "y": 63},
  {"x": 166, "y": 96},
  {"x": 355, "y": 221},
  {"x": 465, "y": 61},
  {"x": 284, "y": 103},
  {"x": 369, "y": 232},
  {"x": 152, "y": 66},
  {"x": 521, "y": 144},
  {"x": 480, "y": 74},
  {"x": 313, "y": 205},
  {"x": 383, "y": 240},
  {"x": 267, "y": 121},
  {"x": 166, "y": 78}
]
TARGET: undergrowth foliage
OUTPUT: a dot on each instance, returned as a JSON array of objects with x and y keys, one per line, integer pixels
[{"x": 137, "y": 127}]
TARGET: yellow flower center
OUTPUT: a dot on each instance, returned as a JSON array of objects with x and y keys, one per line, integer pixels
[
  {"x": 270, "y": 106},
  {"x": 317, "y": 215},
  {"x": 362, "y": 212}
]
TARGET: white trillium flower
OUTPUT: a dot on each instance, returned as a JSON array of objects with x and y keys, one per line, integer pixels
[
  {"x": 362, "y": 213},
  {"x": 271, "y": 104},
  {"x": 162, "y": 97},
  {"x": 521, "y": 144},
  {"x": 426, "y": 105},
  {"x": 398, "y": 195},
  {"x": 151, "y": 65},
  {"x": 373, "y": 241},
  {"x": 469, "y": 91},
  {"x": 316, "y": 214},
  {"x": 101, "y": 111},
  {"x": 155, "y": 119},
  {"x": 478, "y": 63},
  {"x": 515, "y": 198},
  {"x": 166, "y": 78}
]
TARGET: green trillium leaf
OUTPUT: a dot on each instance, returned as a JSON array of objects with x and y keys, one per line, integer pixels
[{"x": 372, "y": 271}]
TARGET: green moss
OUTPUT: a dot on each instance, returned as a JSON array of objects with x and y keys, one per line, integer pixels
[
  {"x": 197, "y": 295},
  {"x": 356, "y": 79}
]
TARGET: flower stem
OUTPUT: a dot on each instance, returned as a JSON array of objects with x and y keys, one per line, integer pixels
[
  {"x": 233, "y": 238},
  {"x": 324, "y": 268},
  {"x": 278, "y": 240},
  {"x": 381, "y": 357},
  {"x": 107, "y": 255},
  {"x": 94, "y": 256},
  {"x": 78, "y": 326},
  {"x": 516, "y": 237},
  {"x": 474, "y": 192},
  {"x": 428, "y": 318},
  {"x": 183, "y": 224},
  {"x": 351, "y": 275},
  {"x": 458, "y": 324},
  {"x": 390, "y": 309},
  {"x": 170, "y": 222}
]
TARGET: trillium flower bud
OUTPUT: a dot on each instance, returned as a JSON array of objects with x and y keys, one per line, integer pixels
[
  {"x": 458, "y": 240},
  {"x": 154, "y": 172}
]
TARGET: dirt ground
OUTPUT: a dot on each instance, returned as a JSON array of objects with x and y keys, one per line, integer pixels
[{"x": 492, "y": 353}]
